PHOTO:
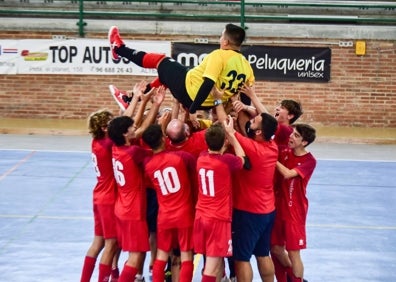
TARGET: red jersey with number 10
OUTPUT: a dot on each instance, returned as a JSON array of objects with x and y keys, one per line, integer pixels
[{"x": 173, "y": 176}]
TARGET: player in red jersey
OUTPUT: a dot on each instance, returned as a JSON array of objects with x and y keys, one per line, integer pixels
[
  {"x": 180, "y": 138},
  {"x": 172, "y": 175},
  {"x": 286, "y": 113},
  {"x": 296, "y": 165},
  {"x": 130, "y": 206},
  {"x": 104, "y": 196},
  {"x": 254, "y": 200},
  {"x": 212, "y": 226}
]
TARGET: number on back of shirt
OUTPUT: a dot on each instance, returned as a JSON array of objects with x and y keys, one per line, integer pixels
[
  {"x": 168, "y": 180},
  {"x": 95, "y": 163},
  {"x": 207, "y": 182},
  {"x": 235, "y": 82},
  {"x": 118, "y": 172}
]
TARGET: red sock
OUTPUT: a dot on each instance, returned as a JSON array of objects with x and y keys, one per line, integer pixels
[
  {"x": 128, "y": 273},
  {"x": 280, "y": 270},
  {"x": 155, "y": 83},
  {"x": 186, "y": 271},
  {"x": 88, "y": 268},
  {"x": 151, "y": 60},
  {"x": 115, "y": 273},
  {"x": 158, "y": 270},
  {"x": 104, "y": 272},
  {"x": 207, "y": 278}
]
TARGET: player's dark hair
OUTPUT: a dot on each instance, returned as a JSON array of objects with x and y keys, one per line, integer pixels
[
  {"x": 214, "y": 137},
  {"x": 152, "y": 136},
  {"x": 307, "y": 132},
  {"x": 268, "y": 126},
  {"x": 97, "y": 121},
  {"x": 236, "y": 34},
  {"x": 293, "y": 108},
  {"x": 118, "y": 126}
]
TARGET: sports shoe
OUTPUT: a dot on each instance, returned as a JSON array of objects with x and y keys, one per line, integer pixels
[
  {"x": 121, "y": 97},
  {"x": 168, "y": 276},
  {"x": 150, "y": 273},
  {"x": 139, "y": 278},
  {"x": 115, "y": 41}
]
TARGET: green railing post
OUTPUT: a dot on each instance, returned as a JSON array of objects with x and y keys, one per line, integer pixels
[
  {"x": 81, "y": 22},
  {"x": 243, "y": 14}
]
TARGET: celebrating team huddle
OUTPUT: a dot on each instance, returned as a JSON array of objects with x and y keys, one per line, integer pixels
[{"x": 229, "y": 178}]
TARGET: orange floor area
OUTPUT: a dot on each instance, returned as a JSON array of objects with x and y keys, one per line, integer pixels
[{"x": 79, "y": 127}]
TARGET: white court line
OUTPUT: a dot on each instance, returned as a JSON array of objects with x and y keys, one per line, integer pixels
[
  {"x": 338, "y": 226},
  {"x": 48, "y": 151},
  {"x": 357, "y": 160},
  {"x": 46, "y": 217},
  {"x": 16, "y": 165}
]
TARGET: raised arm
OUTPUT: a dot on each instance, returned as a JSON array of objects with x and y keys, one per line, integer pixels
[
  {"x": 145, "y": 98},
  {"x": 251, "y": 93},
  {"x": 137, "y": 91},
  {"x": 219, "y": 108},
  {"x": 286, "y": 173},
  {"x": 157, "y": 100},
  {"x": 228, "y": 125}
]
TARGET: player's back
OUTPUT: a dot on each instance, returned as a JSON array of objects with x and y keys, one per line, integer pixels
[
  {"x": 215, "y": 185},
  {"x": 105, "y": 188},
  {"x": 171, "y": 175}
]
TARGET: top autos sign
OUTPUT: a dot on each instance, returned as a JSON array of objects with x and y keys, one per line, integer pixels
[
  {"x": 72, "y": 56},
  {"x": 271, "y": 63}
]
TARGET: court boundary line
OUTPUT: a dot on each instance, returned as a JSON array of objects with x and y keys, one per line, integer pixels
[{"x": 18, "y": 164}]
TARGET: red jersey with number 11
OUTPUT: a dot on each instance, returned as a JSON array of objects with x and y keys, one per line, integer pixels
[{"x": 215, "y": 185}]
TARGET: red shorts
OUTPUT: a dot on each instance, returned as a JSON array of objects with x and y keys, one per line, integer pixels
[
  {"x": 104, "y": 221},
  {"x": 212, "y": 237},
  {"x": 292, "y": 236},
  {"x": 133, "y": 235},
  {"x": 168, "y": 239}
]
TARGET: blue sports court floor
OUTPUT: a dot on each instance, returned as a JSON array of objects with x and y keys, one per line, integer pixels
[{"x": 46, "y": 219}]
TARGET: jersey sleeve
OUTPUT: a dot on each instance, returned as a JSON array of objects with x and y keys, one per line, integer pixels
[{"x": 307, "y": 167}]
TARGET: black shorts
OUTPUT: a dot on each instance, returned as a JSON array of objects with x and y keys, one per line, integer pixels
[
  {"x": 173, "y": 75},
  {"x": 152, "y": 210},
  {"x": 251, "y": 234}
]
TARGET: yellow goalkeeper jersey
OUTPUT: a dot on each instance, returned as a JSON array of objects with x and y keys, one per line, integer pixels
[{"x": 228, "y": 68}]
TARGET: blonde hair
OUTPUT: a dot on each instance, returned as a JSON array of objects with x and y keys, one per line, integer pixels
[{"x": 97, "y": 121}]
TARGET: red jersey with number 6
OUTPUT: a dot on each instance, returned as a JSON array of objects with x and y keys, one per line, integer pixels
[{"x": 128, "y": 172}]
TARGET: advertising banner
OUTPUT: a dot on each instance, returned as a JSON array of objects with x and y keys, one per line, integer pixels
[
  {"x": 72, "y": 56},
  {"x": 93, "y": 56},
  {"x": 271, "y": 63}
]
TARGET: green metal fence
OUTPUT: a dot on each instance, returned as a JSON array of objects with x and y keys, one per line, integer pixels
[{"x": 329, "y": 12}]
